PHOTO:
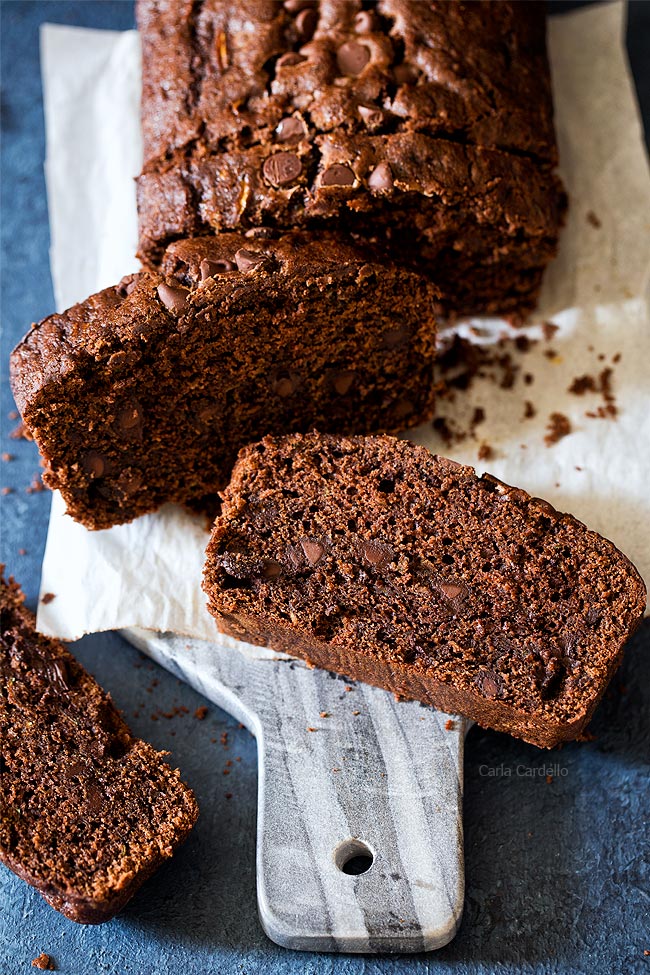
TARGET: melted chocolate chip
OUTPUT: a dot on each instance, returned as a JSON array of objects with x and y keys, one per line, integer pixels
[
  {"x": 371, "y": 115},
  {"x": 174, "y": 299},
  {"x": 295, "y": 6},
  {"x": 126, "y": 285},
  {"x": 271, "y": 569},
  {"x": 352, "y": 58},
  {"x": 250, "y": 260},
  {"x": 94, "y": 463},
  {"x": 290, "y": 130},
  {"x": 337, "y": 175},
  {"x": 282, "y": 168},
  {"x": 284, "y": 385},
  {"x": 376, "y": 553},
  {"x": 290, "y": 59},
  {"x": 364, "y": 22},
  {"x": 381, "y": 178},
  {"x": 490, "y": 683},
  {"x": 209, "y": 269},
  {"x": 313, "y": 550},
  {"x": 306, "y": 23},
  {"x": 343, "y": 381},
  {"x": 405, "y": 74},
  {"x": 450, "y": 590},
  {"x": 392, "y": 338},
  {"x": 129, "y": 419}
]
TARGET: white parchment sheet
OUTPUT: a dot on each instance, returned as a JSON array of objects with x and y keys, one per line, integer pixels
[{"x": 147, "y": 574}]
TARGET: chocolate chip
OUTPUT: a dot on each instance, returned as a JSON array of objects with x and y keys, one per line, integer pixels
[
  {"x": 126, "y": 285},
  {"x": 364, "y": 22},
  {"x": 208, "y": 269},
  {"x": 376, "y": 553},
  {"x": 343, "y": 381},
  {"x": 129, "y": 418},
  {"x": 371, "y": 115},
  {"x": 93, "y": 463},
  {"x": 282, "y": 168},
  {"x": 290, "y": 59},
  {"x": 405, "y": 74},
  {"x": 250, "y": 260},
  {"x": 174, "y": 299},
  {"x": 352, "y": 58},
  {"x": 130, "y": 481},
  {"x": 271, "y": 569},
  {"x": 337, "y": 175},
  {"x": 284, "y": 385},
  {"x": 489, "y": 682},
  {"x": 295, "y": 6},
  {"x": 450, "y": 590},
  {"x": 394, "y": 337},
  {"x": 381, "y": 177},
  {"x": 313, "y": 550},
  {"x": 306, "y": 23},
  {"x": 290, "y": 129}
]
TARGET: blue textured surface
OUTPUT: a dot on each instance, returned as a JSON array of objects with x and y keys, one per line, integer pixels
[{"x": 558, "y": 875}]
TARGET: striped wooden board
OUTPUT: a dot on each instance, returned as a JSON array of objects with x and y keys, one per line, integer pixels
[{"x": 359, "y": 835}]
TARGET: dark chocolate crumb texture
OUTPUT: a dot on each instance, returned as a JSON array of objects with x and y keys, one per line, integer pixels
[
  {"x": 87, "y": 811},
  {"x": 376, "y": 559},
  {"x": 424, "y": 127},
  {"x": 145, "y": 392}
]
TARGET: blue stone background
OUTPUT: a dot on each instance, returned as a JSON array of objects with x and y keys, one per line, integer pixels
[{"x": 558, "y": 875}]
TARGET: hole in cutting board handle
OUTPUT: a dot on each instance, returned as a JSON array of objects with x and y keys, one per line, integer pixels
[{"x": 353, "y": 857}]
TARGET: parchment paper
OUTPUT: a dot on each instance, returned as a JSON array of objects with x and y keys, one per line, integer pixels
[{"x": 147, "y": 574}]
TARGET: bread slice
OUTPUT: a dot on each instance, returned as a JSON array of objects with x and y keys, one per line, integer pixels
[
  {"x": 145, "y": 392},
  {"x": 87, "y": 811},
  {"x": 374, "y": 558}
]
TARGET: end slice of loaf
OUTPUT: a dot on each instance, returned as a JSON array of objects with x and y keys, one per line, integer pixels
[
  {"x": 374, "y": 558},
  {"x": 87, "y": 811}
]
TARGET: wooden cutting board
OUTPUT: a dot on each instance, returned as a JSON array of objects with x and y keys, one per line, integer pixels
[{"x": 359, "y": 829}]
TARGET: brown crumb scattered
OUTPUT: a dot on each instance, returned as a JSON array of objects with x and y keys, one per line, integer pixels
[
  {"x": 549, "y": 329},
  {"x": 324, "y": 714},
  {"x": 6, "y": 457},
  {"x": 48, "y": 597},
  {"x": 238, "y": 758},
  {"x": 449, "y": 725},
  {"x": 239, "y": 725},
  {"x": 529, "y": 410},
  {"x": 348, "y": 688},
  {"x": 558, "y": 427},
  {"x": 36, "y": 486},
  {"x": 228, "y": 795},
  {"x": 13, "y": 414},
  {"x": 6, "y": 490},
  {"x": 594, "y": 220},
  {"x": 22, "y": 551},
  {"x": 582, "y": 385},
  {"x": 355, "y": 713},
  {"x": 646, "y": 951},
  {"x": 20, "y": 433},
  {"x": 201, "y": 713},
  {"x": 478, "y": 416},
  {"x": 578, "y": 468},
  {"x": 226, "y": 771},
  {"x": 311, "y": 729},
  {"x": 550, "y": 354},
  {"x": 336, "y": 770},
  {"x": 229, "y": 763},
  {"x": 529, "y": 379},
  {"x": 44, "y": 962},
  {"x": 549, "y": 779},
  {"x": 616, "y": 358},
  {"x": 485, "y": 452}
]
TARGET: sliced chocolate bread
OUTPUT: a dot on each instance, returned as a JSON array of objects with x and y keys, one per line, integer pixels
[
  {"x": 374, "y": 558},
  {"x": 145, "y": 392},
  {"x": 87, "y": 811}
]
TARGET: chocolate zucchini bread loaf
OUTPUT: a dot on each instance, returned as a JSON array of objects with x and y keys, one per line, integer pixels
[
  {"x": 425, "y": 127},
  {"x": 145, "y": 392},
  {"x": 374, "y": 558},
  {"x": 87, "y": 811}
]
